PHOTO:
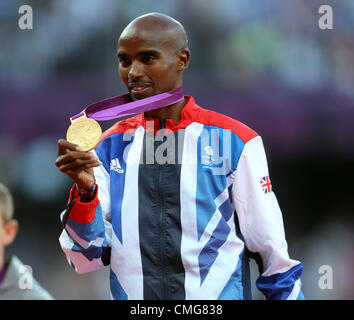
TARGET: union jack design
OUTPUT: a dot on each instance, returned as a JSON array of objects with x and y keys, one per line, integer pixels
[{"x": 266, "y": 185}]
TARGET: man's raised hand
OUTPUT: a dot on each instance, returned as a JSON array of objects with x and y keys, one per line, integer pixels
[{"x": 76, "y": 164}]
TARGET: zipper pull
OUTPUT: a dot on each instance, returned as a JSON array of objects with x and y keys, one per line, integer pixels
[{"x": 162, "y": 123}]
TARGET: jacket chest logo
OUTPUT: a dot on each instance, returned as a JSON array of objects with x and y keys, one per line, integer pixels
[
  {"x": 207, "y": 157},
  {"x": 115, "y": 166}
]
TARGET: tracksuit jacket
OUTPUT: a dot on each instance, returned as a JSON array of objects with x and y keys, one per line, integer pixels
[{"x": 178, "y": 211}]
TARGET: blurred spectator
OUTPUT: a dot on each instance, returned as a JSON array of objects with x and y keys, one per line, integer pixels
[{"x": 16, "y": 281}]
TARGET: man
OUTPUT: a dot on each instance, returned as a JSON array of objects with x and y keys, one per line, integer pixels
[
  {"x": 182, "y": 228},
  {"x": 16, "y": 283}
]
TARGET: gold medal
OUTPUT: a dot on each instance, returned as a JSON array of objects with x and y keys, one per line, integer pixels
[{"x": 85, "y": 132}]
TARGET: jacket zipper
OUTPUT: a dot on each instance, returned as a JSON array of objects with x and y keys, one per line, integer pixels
[{"x": 164, "y": 295}]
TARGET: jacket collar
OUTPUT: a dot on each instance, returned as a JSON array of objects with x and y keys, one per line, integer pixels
[
  {"x": 12, "y": 273},
  {"x": 188, "y": 114}
]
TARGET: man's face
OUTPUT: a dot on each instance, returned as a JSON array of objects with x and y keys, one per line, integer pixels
[
  {"x": 8, "y": 231},
  {"x": 2, "y": 236},
  {"x": 147, "y": 65}
]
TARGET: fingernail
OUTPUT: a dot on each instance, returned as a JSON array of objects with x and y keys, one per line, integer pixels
[{"x": 78, "y": 149}]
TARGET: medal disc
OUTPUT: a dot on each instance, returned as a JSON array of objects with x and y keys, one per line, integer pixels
[{"x": 85, "y": 132}]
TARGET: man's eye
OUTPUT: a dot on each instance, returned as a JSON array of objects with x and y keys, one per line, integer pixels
[
  {"x": 148, "y": 59},
  {"x": 124, "y": 62}
]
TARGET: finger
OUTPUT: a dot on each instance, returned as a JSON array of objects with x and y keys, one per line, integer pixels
[
  {"x": 85, "y": 167},
  {"x": 73, "y": 156},
  {"x": 64, "y": 145},
  {"x": 79, "y": 164},
  {"x": 75, "y": 172}
]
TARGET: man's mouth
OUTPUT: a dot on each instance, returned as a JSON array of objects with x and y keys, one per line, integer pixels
[{"x": 138, "y": 88}]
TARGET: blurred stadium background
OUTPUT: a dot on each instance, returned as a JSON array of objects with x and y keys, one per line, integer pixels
[{"x": 263, "y": 62}]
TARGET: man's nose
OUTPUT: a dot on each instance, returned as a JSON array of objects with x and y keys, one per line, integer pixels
[{"x": 135, "y": 71}]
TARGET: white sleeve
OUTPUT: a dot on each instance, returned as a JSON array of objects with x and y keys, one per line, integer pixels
[
  {"x": 86, "y": 237},
  {"x": 258, "y": 212}
]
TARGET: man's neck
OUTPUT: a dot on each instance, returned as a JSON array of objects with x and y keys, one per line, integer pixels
[{"x": 172, "y": 112}]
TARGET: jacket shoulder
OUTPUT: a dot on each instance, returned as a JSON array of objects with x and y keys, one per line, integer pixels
[{"x": 212, "y": 118}]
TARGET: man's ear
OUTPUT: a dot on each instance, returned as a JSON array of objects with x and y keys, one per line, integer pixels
[
  {"x": 10, "y": 231},
  {"x": 184, "y": 57}
]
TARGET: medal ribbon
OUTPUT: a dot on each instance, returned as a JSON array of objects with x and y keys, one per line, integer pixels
[{"x": 123, "y": 105}]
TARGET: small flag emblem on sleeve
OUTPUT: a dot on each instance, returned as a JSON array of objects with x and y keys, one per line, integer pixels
[{"x": 266, "y": 185}]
